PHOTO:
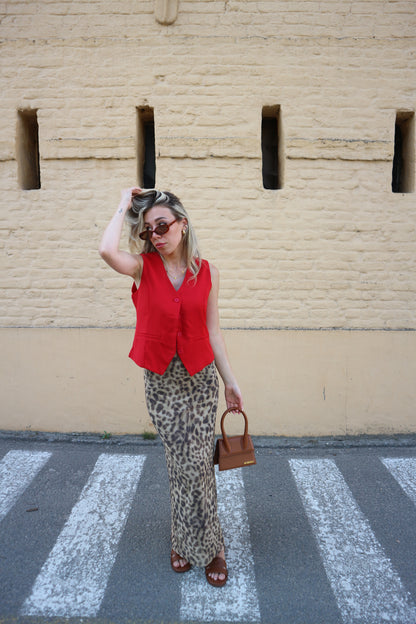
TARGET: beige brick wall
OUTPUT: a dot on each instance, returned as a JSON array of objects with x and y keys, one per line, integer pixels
[{"x": 335, "y": 248}]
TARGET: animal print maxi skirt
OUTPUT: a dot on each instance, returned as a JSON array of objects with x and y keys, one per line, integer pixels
[{"x": 183, "y": 409}]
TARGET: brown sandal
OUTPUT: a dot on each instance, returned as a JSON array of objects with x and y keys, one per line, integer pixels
[
  {"x": 217, "y": 566},
  {"x": 175, "y": 557}
]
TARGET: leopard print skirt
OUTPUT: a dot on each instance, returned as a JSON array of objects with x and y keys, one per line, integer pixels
[{"x": 183, "y": 410}]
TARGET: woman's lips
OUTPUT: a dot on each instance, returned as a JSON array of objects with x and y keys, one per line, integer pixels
[{"x": 159, "y": 245}]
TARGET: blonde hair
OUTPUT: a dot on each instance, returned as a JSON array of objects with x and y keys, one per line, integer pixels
[{"x": 135, "y": 216}]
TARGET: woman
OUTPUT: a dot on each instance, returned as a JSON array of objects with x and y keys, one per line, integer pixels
[{"x": 177, "y": 341}]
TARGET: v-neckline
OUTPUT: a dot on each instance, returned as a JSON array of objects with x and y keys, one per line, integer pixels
[{"x": 167, "y": 276}]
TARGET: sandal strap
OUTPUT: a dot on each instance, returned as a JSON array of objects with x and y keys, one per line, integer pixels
[{"x": 217, "y": 566}]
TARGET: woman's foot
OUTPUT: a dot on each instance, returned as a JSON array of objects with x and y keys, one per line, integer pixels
[
  {"x": 178, "y": 563},
  {"x": 216, "y": 572}
]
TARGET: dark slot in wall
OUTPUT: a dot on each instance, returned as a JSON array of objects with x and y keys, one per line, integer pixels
[
  {"x": 27, "y": 149},
  {"x": 272, "y": 147},
  {"x": 146, "y": 151},
  {"x": 403, "y": 177}
]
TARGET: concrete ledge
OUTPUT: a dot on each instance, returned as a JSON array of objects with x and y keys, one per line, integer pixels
[{"x": 260, "y": 442}]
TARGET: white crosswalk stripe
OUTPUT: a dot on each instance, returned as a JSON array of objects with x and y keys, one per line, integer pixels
[
  {"x": 73, "y": 580},
  {"x": 403, "y": 470},
  {"x": 238, "y": 599},
  {"x": 17, "y": 470},
  {"x": 367, "y": 588}
]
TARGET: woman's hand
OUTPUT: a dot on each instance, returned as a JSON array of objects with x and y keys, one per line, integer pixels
[
  {"x": 233, "y": 397},
  {"x": 127, "y": 195}
]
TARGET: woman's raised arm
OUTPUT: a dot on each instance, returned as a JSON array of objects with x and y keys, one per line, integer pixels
[{"x": 121, "y": 261}]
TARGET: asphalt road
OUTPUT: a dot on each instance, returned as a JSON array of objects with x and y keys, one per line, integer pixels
[{"x": 316, "y": 533}]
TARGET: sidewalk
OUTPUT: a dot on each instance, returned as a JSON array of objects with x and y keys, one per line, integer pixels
[{"x": 357, "y": 441}]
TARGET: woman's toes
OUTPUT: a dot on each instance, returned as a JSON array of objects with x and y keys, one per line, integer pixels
[
  {"x": 179, "y": 564},
  {"x": 217, "y": 577},
  {"x": 216, "y": 571}
]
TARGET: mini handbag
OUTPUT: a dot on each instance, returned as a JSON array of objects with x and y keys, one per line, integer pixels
[{"x": 234, "y": 451}]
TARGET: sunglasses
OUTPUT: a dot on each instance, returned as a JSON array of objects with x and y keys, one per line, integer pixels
[{"x": 159, "y": 230}]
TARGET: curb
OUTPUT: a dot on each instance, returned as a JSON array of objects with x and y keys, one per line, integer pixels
[{"x": 274, "y": 442}]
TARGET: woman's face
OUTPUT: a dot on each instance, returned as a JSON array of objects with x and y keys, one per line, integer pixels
[{"x": 166, "y": 244}]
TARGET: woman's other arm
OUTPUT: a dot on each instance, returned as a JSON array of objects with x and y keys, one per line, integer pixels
[
  {"x": 232, "y": 391},
  {"x": 120, "y": 261}
]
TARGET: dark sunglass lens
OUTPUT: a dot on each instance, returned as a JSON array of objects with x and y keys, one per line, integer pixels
[
  {"x": 145, "y": 235},
  {"x": 161, "y": 229}
]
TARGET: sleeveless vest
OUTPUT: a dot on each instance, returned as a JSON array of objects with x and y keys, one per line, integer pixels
[{"x": 171, "y": 321}]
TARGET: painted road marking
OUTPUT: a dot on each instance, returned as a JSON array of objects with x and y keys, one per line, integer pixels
[
  {"x": 17, "y": 470},
  {"x": 73, "y": 580},
  {"x": 403, "y": 470},
  {"x": 365, "y": 585},
  {"x": 238, "y": 600}
]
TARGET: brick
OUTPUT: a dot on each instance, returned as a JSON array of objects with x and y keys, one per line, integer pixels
[{"x": 333, "y": 248}]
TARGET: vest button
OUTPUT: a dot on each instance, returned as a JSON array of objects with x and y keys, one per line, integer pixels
[
  {"x": 179, "y": 334},
  {"x": 176, "y": 299}
]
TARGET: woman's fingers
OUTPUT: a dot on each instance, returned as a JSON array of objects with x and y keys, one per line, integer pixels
[{"x": 128, "y": 194}]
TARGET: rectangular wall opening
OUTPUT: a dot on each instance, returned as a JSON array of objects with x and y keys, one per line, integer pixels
[
  {"x": 403, "y": 178},
  {"x": 146, "y": 150},
  {"x": 27, "y": 149},
  {"x": 272, "y": 147}
]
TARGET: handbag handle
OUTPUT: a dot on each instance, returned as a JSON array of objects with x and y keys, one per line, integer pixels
[{"x": 224, "y": 435}]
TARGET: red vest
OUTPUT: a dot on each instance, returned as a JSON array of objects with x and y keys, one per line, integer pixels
[{"x": 171, "y": 321}]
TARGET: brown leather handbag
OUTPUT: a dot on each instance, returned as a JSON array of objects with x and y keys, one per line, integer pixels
[{"x": 234, "y": 451}]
